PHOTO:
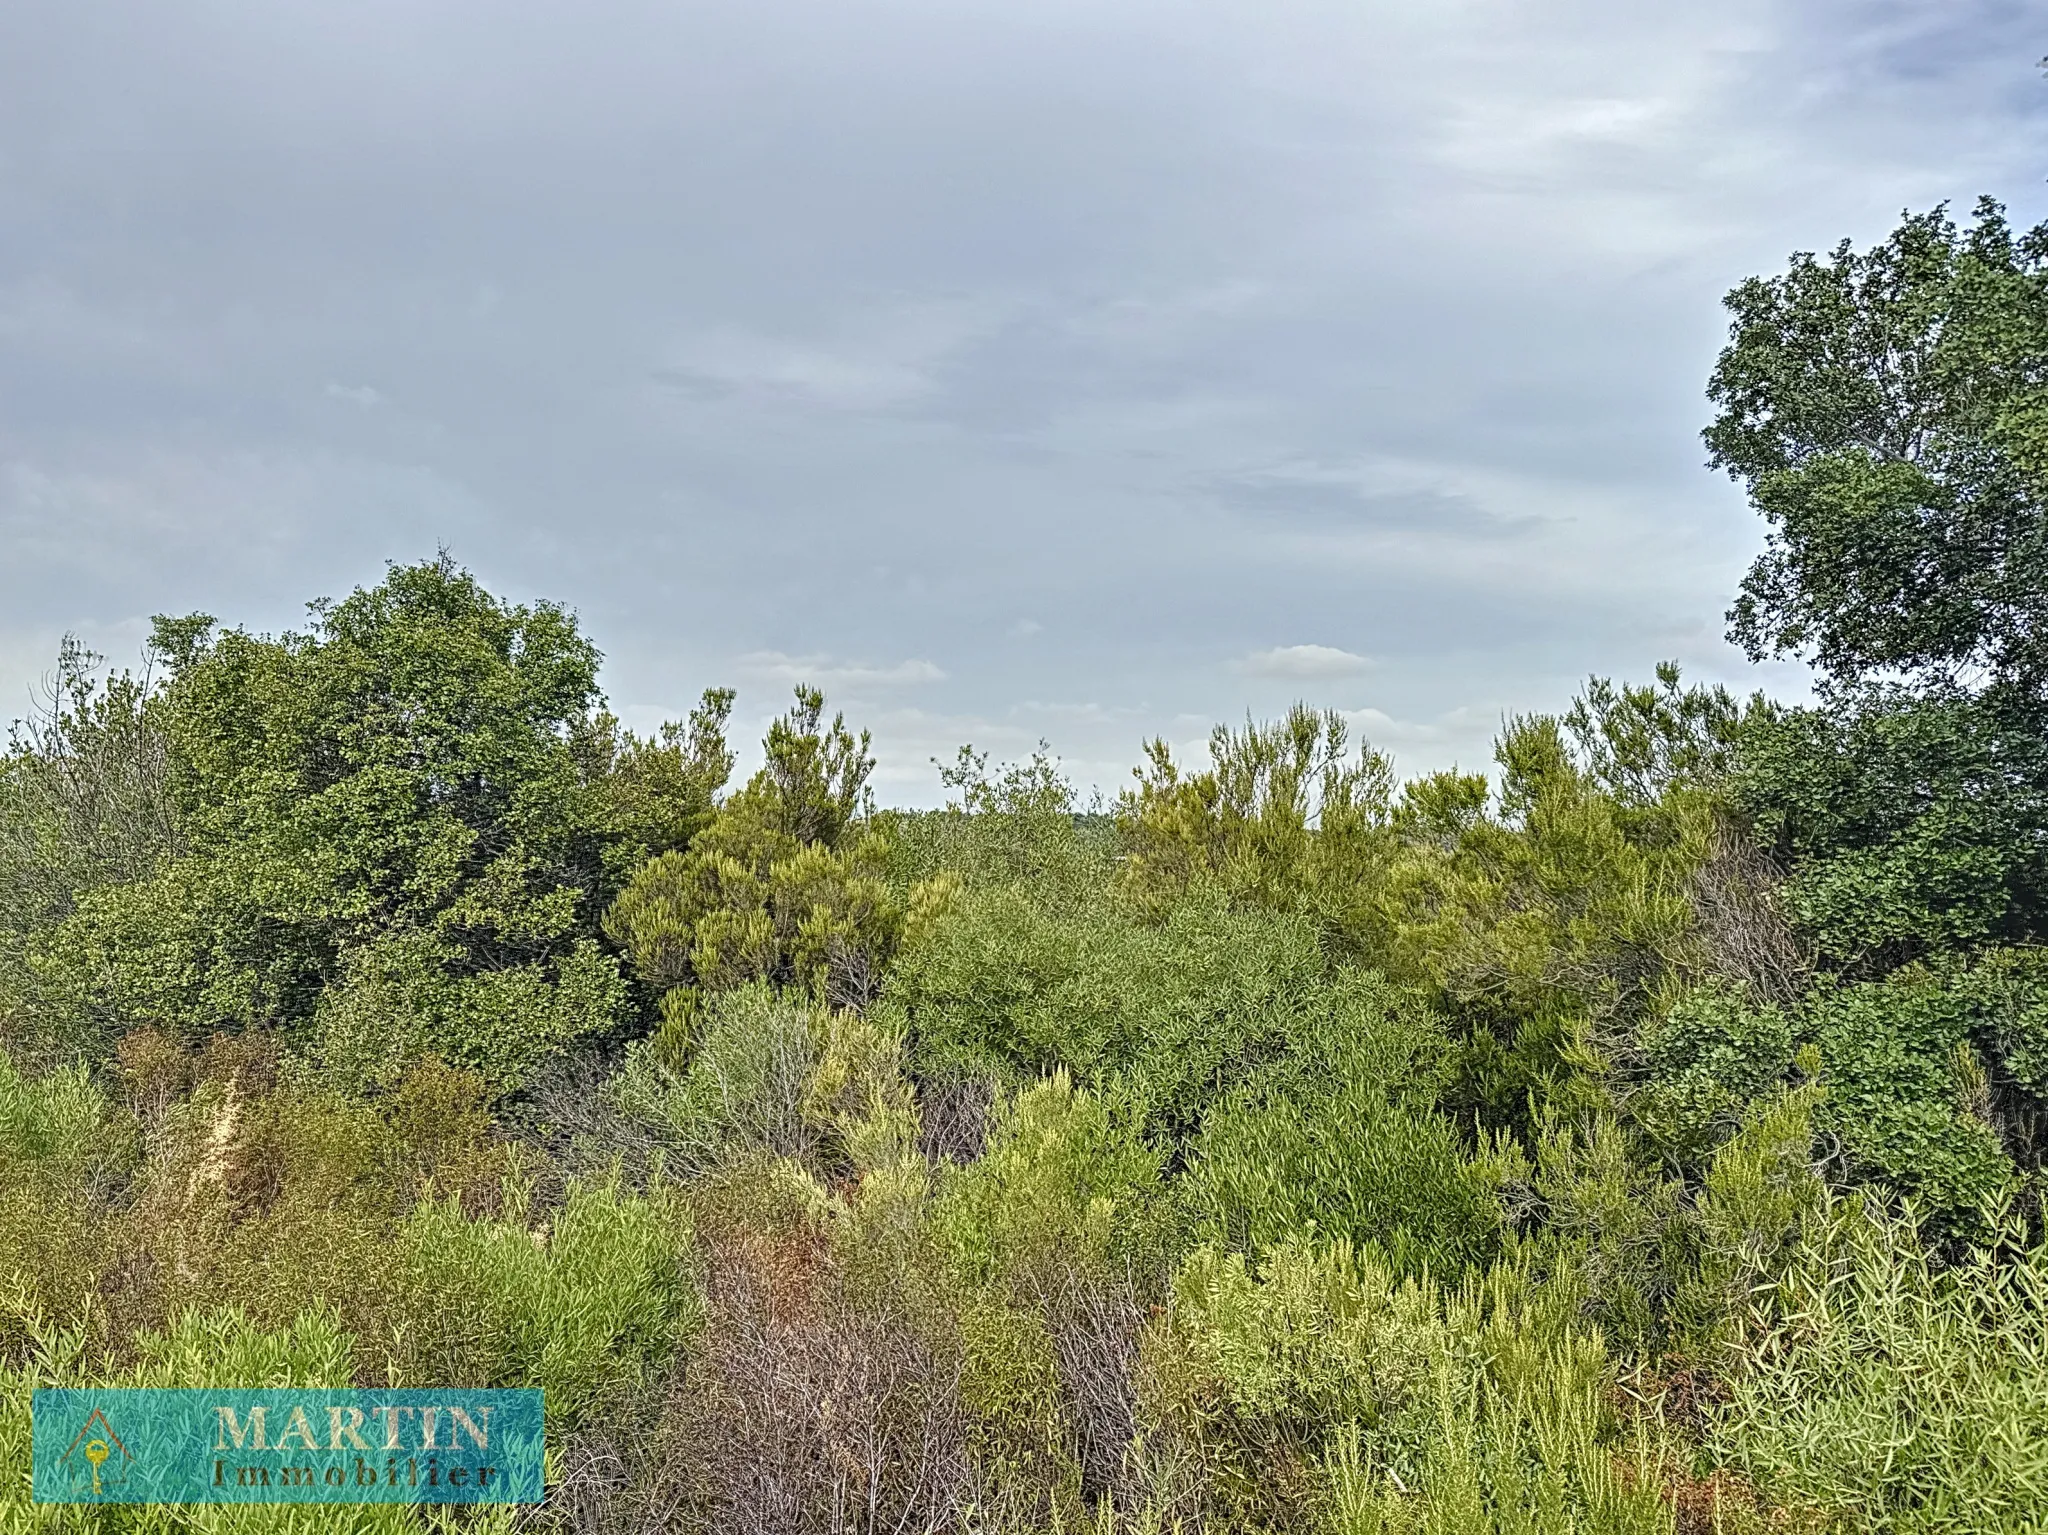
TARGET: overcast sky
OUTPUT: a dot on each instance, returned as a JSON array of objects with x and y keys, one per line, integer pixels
[{"x": 1077, "y": 369}]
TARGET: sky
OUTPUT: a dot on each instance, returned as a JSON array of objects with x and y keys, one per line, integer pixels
[{"x": 1084, "y": 372}]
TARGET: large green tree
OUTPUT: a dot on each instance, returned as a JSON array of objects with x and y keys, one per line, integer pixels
[
  {"x": 396, "y": 833},
  {"x": 1888, "y": 412}
]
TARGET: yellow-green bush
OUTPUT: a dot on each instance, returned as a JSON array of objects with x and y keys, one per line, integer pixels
[
  {"x": 1067, "y": 1179},
  {"x": 217, "y": 1348},
  {"x": 1891, "y": 1391},
  {"x": 1322, "y": 1388},
  {"x": 277, "y": 1231}
]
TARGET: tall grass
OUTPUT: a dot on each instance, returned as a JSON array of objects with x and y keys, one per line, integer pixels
[{"x": 1893, "y": 1392}]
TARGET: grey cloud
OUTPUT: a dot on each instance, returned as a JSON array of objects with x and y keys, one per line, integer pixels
[{"x": 1331, "y": 502}]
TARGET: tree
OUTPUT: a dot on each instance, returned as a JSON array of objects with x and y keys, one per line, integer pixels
[
  {"x": 783, "y": 885},
  {"x": 391, "y": 839},
  {"x": 656, "y": 793},
  {"x": 83, "y": 792},
  {"x": 1888, "y": 413}
]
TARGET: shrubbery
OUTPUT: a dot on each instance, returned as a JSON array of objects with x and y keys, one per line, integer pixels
[{"x": 1647, "y": 1138}]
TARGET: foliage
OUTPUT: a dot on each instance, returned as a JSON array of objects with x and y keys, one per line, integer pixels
[
  {"x": 782, "y": 886},
  {"x": 1397, "y": 1405},
  {"x": 1667, "y": 1265},
  {"x": 1639, "y": 742},
  {"x": 1885, "y": 410},
  {"x": 1282, "y": 820},
  {"x": 392, "y": 799},
  {"x": 1708, "y": 1058},
  {"x": 1066, "y": 1178},
  {"x": 1011, "y": 987},
  {"x": 1015, "y": 824},
  {"x": 1895, "y": 1393},
  {"x": 1899, "y": 1066},
  {"x": 84, "y": 792},
  {"x": 580, "y": 1305},
  {"x": 1548, "y": 927},
  {"x": 1340, "y": 1138},
  {"x": 294, "y": 1235},
  {"x": 742, "y": 1087},
  {"x": 655, "y": 794},
  {"x": 1562, "y": 902},
  {"x": 1910, "y": 825},
  {"x": 1906, "y": 1096}
]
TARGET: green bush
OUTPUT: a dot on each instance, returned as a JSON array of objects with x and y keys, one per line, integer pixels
[
  {"x": 1900, "y": 1068},
  {"x": 1340, "y": 1137},
  {"x": 1005, "y": 986},
  {"x": 1321, "y": 1384},
  {"x": 582, "y": 1303},
  {"x": 404, "y": 779},
  {"x": 56, "y": 1125},
  {"x": 1015, "y": 825},
  {"x": 1907, "y": 1094},
  {"x": 220, "y": 1348},
  {"x": 1668, "y": 1269},
  {"x": 783, "y": 885},
  {"x": 1707, "y": 1058},
  {"x": 739, "y": 1087},
  {"x": 1892, "y": 1392},
  {"x": 1067, "y": 1179},
  {"x": 1284, "y": 819},
  {"x": 393, "y": 1002}
]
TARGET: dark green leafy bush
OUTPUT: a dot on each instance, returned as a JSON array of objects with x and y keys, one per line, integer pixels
[{"x": 1340, "y": 1137}]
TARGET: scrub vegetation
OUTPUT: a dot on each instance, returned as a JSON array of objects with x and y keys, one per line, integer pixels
[{"x": 1642, "y": 1137}]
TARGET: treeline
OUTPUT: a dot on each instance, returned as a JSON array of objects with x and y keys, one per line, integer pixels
[{"x": 1643, "y": 1137}]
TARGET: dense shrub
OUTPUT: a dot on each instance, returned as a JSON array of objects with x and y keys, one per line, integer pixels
[
  {"x": 1282, "y": 820},
  {"x": 741, "y": 1087},
  {"x": 1177, "y": 1011},
  {"x": 1340, "y": 1137},
  {"x": 1067, "y": 1182},
  {"x": 1908, "y": 1096},
  {"x": 1892, "y": 1392},
  {"x": 1320, "y": 1382}
]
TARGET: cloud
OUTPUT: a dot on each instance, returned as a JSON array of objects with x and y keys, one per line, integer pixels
[
  {"x": 797, "y": 376},
  {"x": 1368, "y": 500},
  {"x": 355, "y": 394},
  {"x": 878, "y": 357},
  {"x": 1303, "y": 663},
  {"x": 827, "y": 672}
]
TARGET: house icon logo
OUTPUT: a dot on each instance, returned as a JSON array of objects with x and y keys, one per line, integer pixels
[{"x": 97, "y": 1459}]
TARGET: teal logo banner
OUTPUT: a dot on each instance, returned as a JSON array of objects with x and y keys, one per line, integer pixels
[{"x": 287, "y": 1446}]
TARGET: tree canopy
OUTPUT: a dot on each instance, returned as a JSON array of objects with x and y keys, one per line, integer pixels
[{"x": 1887, "y": 411}]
